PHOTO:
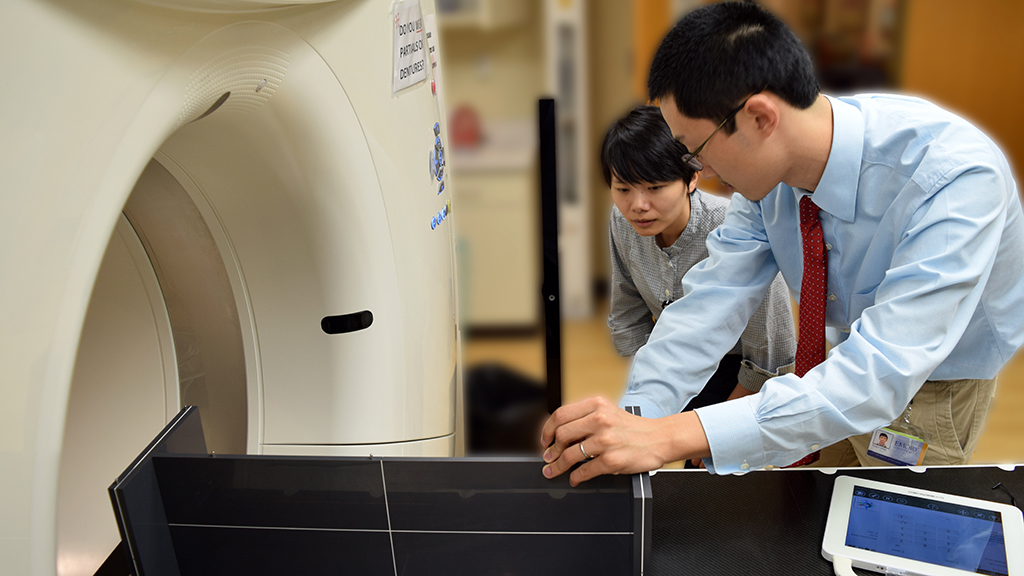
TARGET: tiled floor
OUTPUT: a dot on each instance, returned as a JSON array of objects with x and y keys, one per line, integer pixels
[{"x": 591, "y": 367}]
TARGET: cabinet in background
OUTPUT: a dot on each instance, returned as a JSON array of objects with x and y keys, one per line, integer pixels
[
  {"x": 497, "y": 228},
  {"x": 482, "y": 14}
]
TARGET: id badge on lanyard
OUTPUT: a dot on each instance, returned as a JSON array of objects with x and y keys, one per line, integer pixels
[{"x": 900, "y": 443}]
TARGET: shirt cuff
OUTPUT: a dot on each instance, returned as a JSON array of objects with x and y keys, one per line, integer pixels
[
  {"x": 733, "y": 435},
  {"x": 752, "y": 377},
  {"x": 648, "y": 409}
]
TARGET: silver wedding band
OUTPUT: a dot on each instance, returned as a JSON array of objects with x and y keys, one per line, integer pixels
[{"x": 585, "y": 455}]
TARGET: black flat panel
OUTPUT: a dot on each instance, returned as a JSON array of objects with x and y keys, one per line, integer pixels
[
  {"x": 706, "y": 524},
  {"x": 643, "y": 517},
  {"x": 502, "y": 495},
  {"x": 254, "y": 552},
  {"x": 135, "y": 496},
  {"x": 426, "y": 554},
  {"x": 116, "y": 563},
  {"x": 756, "y": 523},
  {"x": 273, "y": 491}
]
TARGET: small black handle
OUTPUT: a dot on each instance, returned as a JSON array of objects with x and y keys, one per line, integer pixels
[{"x": 347, "y": 322}]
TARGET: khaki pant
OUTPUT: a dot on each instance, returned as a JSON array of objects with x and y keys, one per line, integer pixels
[{"x": 952, "y": 411}]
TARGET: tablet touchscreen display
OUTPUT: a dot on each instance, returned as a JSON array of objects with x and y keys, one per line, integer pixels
[{"x": 926, "y": 530}]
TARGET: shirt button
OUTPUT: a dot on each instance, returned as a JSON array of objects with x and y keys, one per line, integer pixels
[
  {"x": 828, "y": 246},
  {"x": 744, "y": 466},
  {"x": 832, "y": 297},
  {"x": 814, "y": 446}
]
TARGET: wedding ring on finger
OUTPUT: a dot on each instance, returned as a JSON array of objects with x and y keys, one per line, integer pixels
[{"x": 584, "y": 451}]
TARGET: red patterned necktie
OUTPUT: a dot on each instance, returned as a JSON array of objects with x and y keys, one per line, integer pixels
[{"x": 810, "y": 348}]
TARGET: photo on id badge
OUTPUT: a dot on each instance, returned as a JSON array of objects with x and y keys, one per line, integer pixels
[{"x": 897, "y": 447}]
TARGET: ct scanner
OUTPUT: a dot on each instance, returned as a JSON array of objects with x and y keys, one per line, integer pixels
[{"x": 219, "y": 203}]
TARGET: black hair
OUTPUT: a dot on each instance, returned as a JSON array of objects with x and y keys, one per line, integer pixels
[
  {"x": 720, "y": 54},
  {"x": 640, "y": 148}
]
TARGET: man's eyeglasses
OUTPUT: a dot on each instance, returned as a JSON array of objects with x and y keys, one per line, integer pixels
[{"x": 691, "y": 159}]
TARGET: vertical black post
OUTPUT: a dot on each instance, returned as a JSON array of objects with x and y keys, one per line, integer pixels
[{"x": 549, "y": 242}]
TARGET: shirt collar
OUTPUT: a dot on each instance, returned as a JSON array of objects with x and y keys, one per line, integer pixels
[{"x": 837, "y": 190}]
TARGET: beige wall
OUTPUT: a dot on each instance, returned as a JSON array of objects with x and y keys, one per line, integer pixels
[
  {"x": 612, "y": 95},
  {"x": 969, "y": 57},
  {"x": 499, "y": 72}
]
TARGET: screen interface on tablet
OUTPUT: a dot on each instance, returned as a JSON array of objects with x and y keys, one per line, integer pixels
[{"x": 947, "y": 534}]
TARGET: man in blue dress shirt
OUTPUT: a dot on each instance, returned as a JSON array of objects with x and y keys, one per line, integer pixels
[{"x": 925, "y": 290}]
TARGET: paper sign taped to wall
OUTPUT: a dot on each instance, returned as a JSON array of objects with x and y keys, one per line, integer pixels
[
  {"x": 433, "y": 51},
  {"x": 410, "y": 56}
]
